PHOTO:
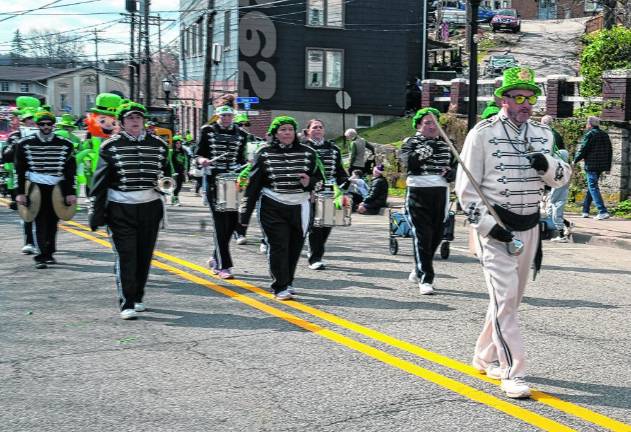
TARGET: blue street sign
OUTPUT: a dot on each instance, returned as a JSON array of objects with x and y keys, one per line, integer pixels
[
  {"x": 248, "y": 100},
  {"x": 247, "y": 105}
]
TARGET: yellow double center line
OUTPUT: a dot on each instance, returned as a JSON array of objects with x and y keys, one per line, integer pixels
[{"x": 469, "y": 392}]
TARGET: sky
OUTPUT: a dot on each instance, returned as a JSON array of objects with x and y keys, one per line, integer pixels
[{"x": 90, "y": 14}]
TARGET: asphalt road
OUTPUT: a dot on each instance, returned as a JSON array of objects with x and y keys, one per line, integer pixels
[{"x": 360, "y": 350}]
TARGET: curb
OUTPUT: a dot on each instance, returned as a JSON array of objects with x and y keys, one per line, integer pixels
[{"x": 584, "y": 238}]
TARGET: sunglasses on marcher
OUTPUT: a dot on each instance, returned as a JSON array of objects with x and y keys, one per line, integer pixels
[
  {"x": 49, "y": 124},
  {"x": 520, "y": 99}
]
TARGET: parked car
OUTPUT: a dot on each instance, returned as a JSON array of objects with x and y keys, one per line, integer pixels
[
  {"x": 485, "y": 14},
  {"x": 506, "y": 19},
  {"x": 496, "y": 64}
]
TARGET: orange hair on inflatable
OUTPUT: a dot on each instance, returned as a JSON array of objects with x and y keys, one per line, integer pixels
[{"x": 101, "y": 125}]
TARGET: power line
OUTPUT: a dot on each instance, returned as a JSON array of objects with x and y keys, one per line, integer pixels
[{"x": 29, "y": 10}]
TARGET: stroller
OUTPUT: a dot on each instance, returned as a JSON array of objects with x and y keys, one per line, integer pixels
[{"x": 400, "y": 227}]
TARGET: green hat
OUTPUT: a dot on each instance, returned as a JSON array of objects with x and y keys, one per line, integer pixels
[
  {"x": 46, "y": 107},
  {"x": 27, "y": 102},
  {"x": 241, "y": 118},
  {"x": 176, "y": 138},
  {"x": 132, "y": 107},
  {"x": 490, "y": 110},
  {"x": 67, "y": 120},
  {"x": 27, "y": 113},
  {"x": 44, "y": 115},
  {"x": 224, "y": 109},
  {"x": 279, "y": 121},
  {"x": 422, "y": 113},
  {"x": 518, "y": 78},
  {"x": 107, "y": 103}
]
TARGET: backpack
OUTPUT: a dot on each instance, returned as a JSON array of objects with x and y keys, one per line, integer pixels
[{"x": 399, "y": 225}]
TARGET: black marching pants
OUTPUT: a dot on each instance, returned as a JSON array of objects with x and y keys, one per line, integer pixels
[
  {"x": 134, "y": 231},
  {"x": 282, "y": 226},
  {"x": 317, "y": 239},
  {"x": 45, "y": 225},
  {"x": 426, "y": 209},
  {"x": 225, "y": 224}
]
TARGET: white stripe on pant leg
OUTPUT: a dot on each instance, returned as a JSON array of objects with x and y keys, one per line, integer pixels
[
  {"x": 117, "y": 265},
  {"x": 419, "y": 264}
]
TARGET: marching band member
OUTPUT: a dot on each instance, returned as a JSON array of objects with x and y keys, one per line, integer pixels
[
  {"x": 225, "y": 142},
  {"x": 46, "y": 160},
  {"x": 283, "y": 175},
  {"x": 331, "y": 158},
  {"x": 429, "y": 171},
  {"x": 510, "y": 157},
  {"x": 123, "y": 196}
]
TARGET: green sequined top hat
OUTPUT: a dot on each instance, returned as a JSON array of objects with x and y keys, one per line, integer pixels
[
  {"x": 128, "y": 108},
  {"x": 24, "y": 104},
  {"x": 241, "y": 118},
  {"x": 224, "y": 109},
  {"x": 67, "y": 120},
  {"x": 279, "y": 121},
  {"x": 176, "y": 138},
  {"x": 518, "y": 78},
  {"x": 106, "y": 103},
  {"x": 44, "y": 115},
  {"x": 490, "y": 110},
  {"x": 422, "y": 113}
]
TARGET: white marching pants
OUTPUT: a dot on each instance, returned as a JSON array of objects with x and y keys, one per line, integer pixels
[{"x": 506, "y": 277}]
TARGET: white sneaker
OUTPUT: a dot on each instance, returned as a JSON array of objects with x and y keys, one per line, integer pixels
[
  {"x": 515, "y": 388},
  {"x": 425, "y": 288},
  {"x": 241, "y": 240},
  {"x": 291, "y": 290},
  {"x": 602, "y": 216},
  {"x": 318, "y": 265},
  {"x": 585, "y": 215},
  {"x": 493, "y": 372},
  {"x": 29, "y": 249},
  {"x": 413, "y": 277},
  {"x": 559, "y": 239},
  {"x": 283, "y": 295},
  {"x": 263, "y": 248},
  {"x": 128, "y": 314},
  {"x": 140, "y": 307}
]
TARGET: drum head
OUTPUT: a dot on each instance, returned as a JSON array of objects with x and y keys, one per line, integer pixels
[
  {"x": 63, "y": 211},
  {"x": 29, "y": 211}
]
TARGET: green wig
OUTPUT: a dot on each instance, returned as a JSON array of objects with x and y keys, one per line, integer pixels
[
  {"x": 279, "y": 121},
  {"x": 422, "y": 113},
  {"x": 490, "y": 110}
]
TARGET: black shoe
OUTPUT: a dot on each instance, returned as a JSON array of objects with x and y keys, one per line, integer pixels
[{"x": 41, "y": 265}]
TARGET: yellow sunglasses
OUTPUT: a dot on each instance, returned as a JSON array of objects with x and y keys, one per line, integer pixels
[{"x": 520, "y": 99}]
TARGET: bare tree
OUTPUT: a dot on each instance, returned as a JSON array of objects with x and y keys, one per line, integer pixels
[{"x": 49, "y": 48}]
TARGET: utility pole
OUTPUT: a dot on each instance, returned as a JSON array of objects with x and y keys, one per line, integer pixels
[
  {"x": 131, "y": 55},
  {"x": 208, "y": 61},
  {"x": 472, "y": 112},
  {"x": 138, "y": 59},
  {"x": 424, "y": 41},
  {"x": 96, "y": 61},
  {"x": 147, "y": 57}
]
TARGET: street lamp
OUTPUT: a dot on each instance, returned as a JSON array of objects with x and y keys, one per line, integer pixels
[
  {"x": 472, "y": 112},
  {"x": 167, "y": 84}
]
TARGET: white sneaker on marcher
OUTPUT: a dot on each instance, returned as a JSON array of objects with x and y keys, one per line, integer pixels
[
  {"x": 128, "y": 314},
  {"x": 559, "y": 239},
  {"x": 283, "y": 295},
  {"x": 140, "y": 307},
  {"x": 413, "y": 277},
  {"x": 493, "y": 371},
  {"x": 263, "y": 248},
  {"x": 425, "y": 288},
  {"x": 29, "y": 249},
  {"x": 318, "y": 265},
  {"x": 515, "y": 388},
  {"x": 585, "y": 215},
  {"x": 241, "y": 240},
  {"x": 602, "y": 216},
  {"x": 291, "y": 290}
]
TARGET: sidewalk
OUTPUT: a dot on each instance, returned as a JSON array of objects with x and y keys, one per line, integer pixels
[{"x": 612, "y": 232}]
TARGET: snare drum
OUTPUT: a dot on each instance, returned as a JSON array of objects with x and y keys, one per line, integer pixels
[
  {"x": 228, "y": 193},
  {"x": 327, "y": 215}
]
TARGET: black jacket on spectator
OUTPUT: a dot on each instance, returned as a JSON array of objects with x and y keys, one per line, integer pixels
[
  {"x": 595, "y": 150},
  {"x": 378, "y": 193}
]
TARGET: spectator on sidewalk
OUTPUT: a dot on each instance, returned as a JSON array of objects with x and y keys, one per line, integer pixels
[
  {"x": 558, "y": 139},
  {"x": 556, "y": 204},
  {"x": 596, "y": 151},
  {"x": 358, "y": 188},
  {"x": 362, "y": 152},
  {"x": 377, "y": 195}
]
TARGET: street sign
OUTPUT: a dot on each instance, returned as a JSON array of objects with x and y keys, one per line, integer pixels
[
  {"x": 343, "y": 99},
  {"x": 247, "y": 100},
  {"x": 253, "y": 113}
]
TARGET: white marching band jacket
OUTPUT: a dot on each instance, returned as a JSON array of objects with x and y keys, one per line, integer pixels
[{"x": 495, "y": 152}]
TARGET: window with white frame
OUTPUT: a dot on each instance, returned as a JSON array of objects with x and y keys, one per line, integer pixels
[
  {"x": 325, "y": 68},
  {"x": 364, "y": 121},
  {"x": 4, "y": 86},
  {"x": 200, "y": 36},
  {"x": 194, "y": 40},
  {"x": 593, "y": 6},
  {"x": 25, "y": 87},
  {"x": 329, "y": 13}
]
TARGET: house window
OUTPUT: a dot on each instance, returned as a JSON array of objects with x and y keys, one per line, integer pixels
[
  {"x": 329, "y": 13},
  {"x": 364, "y": 121},
  {"x": 25, "y": 87},
  {"x": 200, "y": 36},
  {"x": 4, "y": 86},
  {"x": 226, "y": 30},
  {"x": 89, "y": 100},
  {"x": 324, "y": 68},
  {"x": 592, "y": 6},
  {"x": 63, "y": 100},
  {"x": 194, "y": 40}
]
